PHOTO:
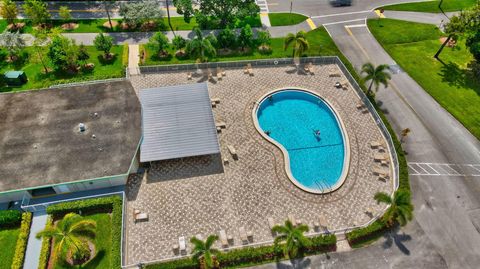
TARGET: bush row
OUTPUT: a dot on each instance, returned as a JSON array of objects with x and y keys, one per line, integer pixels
[
  {"x": 45, "y": 250},
  {"x": 359, "y": 236},
  {"x": 252, "y": 255},
  {"x": 10, "y": 218},
  {"x": 111, "y": 204},
  {"x": 22, "y": 240},
  {"x": 125, "y": 55}
]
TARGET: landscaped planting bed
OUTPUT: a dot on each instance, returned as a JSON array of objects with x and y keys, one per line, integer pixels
[{"x": 107, "y": 213}]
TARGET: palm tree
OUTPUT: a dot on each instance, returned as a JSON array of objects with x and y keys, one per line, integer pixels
[
  {"x": 204, "y": 252},
  {"x": 299, "y": 41},
  {"x": 376, "y": 75},
  {"x": 401, "y": 210},
  {"x": 293, "y": 236},
  {"x": 71, "y": 235},
  {"x": 200, "y": 47}
]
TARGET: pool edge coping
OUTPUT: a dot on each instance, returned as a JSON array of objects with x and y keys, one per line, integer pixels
[{"x": 346, "y": 139}]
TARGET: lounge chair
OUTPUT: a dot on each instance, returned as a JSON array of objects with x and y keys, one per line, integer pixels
[
  {"x": 243, "y": 235},
  {"x": 223, "y": 238},
  {"x": 232, "y": 151},
  {"x": 182, "y": 244},
  {"x": 189, "y": 75},
  {"x": 334, "y": 73},
  {"x": 291, "y": 219},
  {"x": 322, "y": 222},
  {"x": 309, "y": 68},
  {"x": 221, "y": 124},
  {"x": 139, "y": 216},
  {"x": 360, "y": 106},
  {"x": 249, "y": 235},
  {"x": 380, "y": 157},
  {"x": 271, "y": 223},
  {"x": 215, "y": 100},
  {"x": 175, "y": 249},
  {"x": 376, "y": 144},
  {"x": 380, "y": 171},
  {"x": 250, "y": 69}
]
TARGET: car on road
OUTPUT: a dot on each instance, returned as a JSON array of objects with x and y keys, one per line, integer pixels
[{"x": 339, "y": 3}]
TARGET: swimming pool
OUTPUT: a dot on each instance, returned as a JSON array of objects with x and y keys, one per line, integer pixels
[{"x": 310, "y": 134}]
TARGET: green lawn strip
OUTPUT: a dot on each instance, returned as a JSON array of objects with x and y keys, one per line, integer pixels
[
  {"x": 37, "y": 79},
  {"x": 320, "y": 45},
  {"x": 282, "y": 19},
  {"x": 8, "y": 241},
  {"x": 103, "y": 244},
  {"x": 451, "y": 85},
  {"x": 432, "y": 6},
  {"x": 391, "y": 31}
]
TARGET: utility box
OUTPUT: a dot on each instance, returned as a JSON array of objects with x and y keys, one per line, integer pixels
[{"x": 15, "y": 78}]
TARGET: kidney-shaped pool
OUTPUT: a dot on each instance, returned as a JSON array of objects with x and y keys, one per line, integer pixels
[{"x": 311, "y": 135}]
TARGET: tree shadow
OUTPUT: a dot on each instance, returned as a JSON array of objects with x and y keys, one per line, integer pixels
[
  {"x": 295, "y": 264},
  {"x": 456, "y": 76},
  {"x": 394, "y": 237}
]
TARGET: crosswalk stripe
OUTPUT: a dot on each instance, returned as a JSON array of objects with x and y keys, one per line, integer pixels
[{"x": 444, "y": 169}]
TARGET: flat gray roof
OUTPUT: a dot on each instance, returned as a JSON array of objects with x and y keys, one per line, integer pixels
[
  {"x": 177, "y": 122},
  {"x": 40, "y": 141}
]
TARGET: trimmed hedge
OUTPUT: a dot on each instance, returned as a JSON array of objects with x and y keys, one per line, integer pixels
[
  {"x": 252, "y": 255},
  {"x": 111, "y": 204},
  {"x": 9, "y": 218},
  {"x": 45, "y": 250},
  {"x": 22, "y": 241},
  {"x": 125, "y": 55},
  {"x": 359, "y": 236}
]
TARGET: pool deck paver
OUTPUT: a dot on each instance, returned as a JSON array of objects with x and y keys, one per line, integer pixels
[{"x": 200, "y": 195}]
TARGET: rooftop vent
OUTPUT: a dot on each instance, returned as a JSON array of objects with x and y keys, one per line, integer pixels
[{"x": 81, "y": 127}]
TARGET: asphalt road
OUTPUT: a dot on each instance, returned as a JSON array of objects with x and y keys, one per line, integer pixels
[{"x": 446, "y": 230}]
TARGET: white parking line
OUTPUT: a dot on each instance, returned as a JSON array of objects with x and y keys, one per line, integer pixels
[{"x": 444, "y": 169}]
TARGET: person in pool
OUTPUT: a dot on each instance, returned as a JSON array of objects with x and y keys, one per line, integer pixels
[{"x": 316, "y": 133}]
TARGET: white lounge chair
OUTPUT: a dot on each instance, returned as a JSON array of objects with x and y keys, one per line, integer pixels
[
  {"x": 291, "y": 218},
  {"x": 380, "y": 171},
  {"x": 243, "y": 235},
  {"x": 221, "y": 124},
  {"x": 232, "y": 151},
  {"x": 380, "y": 157},
  {"x": 223, "y": 238},
  {"x": 182, "y": 244}
]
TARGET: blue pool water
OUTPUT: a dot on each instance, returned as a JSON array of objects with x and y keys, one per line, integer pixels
[{"x": 291, "y": 117}]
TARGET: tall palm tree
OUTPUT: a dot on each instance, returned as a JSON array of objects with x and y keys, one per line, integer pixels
[
  {"x": 71, "y": 235},
  {"x": 293, "y": 237},
  {"x": 200, "y": 47},
  {"x": 204, "y": 252},
  {"x": 401, "y": 210},
  {"x": 299, "y": 41},
  {"x": 376, "y": 75}
]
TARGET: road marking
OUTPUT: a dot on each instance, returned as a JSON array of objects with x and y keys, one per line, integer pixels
[
  {"x": 356, "y": 42},
  {"x": 339, "y": 22},
  {"x": 263, "y": 5},
  {"x": 356, "y": 25},
  {"x": 341, "y": 14},
  {"x": 311, "y": 24},
  {"x": 379, "y": 14},
  {"x": 444, "y": 169}
]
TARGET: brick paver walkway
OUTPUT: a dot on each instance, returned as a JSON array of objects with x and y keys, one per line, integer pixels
[{"x": 201, "y": 196}]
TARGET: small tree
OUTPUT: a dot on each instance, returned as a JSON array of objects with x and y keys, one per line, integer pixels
[
  {"x": 185, "y": 8},
  {"x": 245, "y": 39},
  {"x": 377, "y": 75},
  {"x": 299, "y": 41},
  {"x": 401, "y": 210},
  {"x": 36, "y": 11},
  {"x": 63, "y": 54},
  {"x": 104, "y": 43},
  {"x": 204, "y": 251},
  {"x": 13, "y": 43},
  {"x": 83, "y": 55},
  {"x": 9, "y": 11},
  {"x": 72, "y": 235},
  {"x": 227, "y": 38},
  {"x": 159, "y": 43},
  {"x": 41, "y": 40},
  {"x": 179, "y": 42},
  {"x": 293, "y": 237},
  {"x": 200, "y": 47},
  {"x": 264, "y": 38},
  {"x": 64, "y": 13},
  {"x": 138, "y": 12}
]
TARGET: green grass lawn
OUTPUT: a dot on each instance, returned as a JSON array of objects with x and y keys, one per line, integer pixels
[
  {"x": 412, "y": 46},
  {"x": 281, "y": 19},
  {"x": 103, "y": 244},
  {"x": 320, "y": 45},
  {"x": 96, "y": 25},
  {"x": 37, "y": 78},
  {"x": 432, "y": 6},
  {"x": 8, "y": 241}
]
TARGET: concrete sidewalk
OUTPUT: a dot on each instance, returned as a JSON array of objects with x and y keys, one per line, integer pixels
[{"x": 32, "y": 254}]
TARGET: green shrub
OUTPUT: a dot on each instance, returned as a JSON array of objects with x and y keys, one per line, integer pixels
[
  {"x": 322, "y": 243},
  {"x": 10, "y": 218},
  {"x": 186, "y": 263},
  {"x": 22, "y": 240},
  {"x": 45, "y": 250},
  {"x": 372, "y": 231},
  {"x": 125, "y": 55},
  {"x": 111, "y": 204}
]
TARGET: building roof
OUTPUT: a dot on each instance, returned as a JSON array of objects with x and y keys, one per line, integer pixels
[
  {"x": 177, "y": 122},
  {"x": 40, "y": 139}
]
